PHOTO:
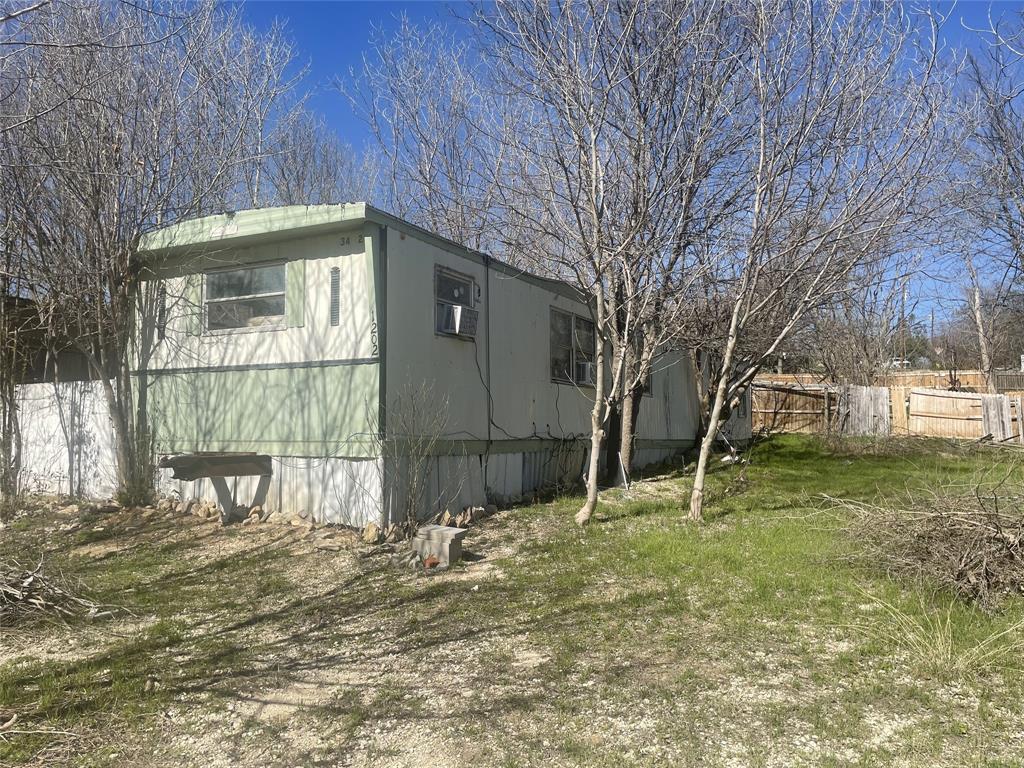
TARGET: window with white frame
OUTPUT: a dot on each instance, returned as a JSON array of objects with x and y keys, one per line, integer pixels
[
  {"x": 454, "y": 298},
  {"x": 250, "y": 297},
  {"x": 573, "y": 347}
]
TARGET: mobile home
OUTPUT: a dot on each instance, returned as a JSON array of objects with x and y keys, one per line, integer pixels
[{"x": 338, "y": 340}]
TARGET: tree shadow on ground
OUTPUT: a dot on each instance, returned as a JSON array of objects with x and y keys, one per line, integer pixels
[{"x": 360, "y": 636}]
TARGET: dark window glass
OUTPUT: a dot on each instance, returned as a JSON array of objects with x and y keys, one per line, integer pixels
[
  {"x": 584, "y": 341},
  {"x": 236, "y": 283},
  {"x": 561, "y": 345},
  {"x": 454, "y": 289}
]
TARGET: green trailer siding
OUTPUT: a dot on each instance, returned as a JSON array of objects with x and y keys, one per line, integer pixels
[{"x": 322, "y": 410}]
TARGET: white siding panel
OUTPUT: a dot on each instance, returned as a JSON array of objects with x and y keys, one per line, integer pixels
[
  {"x": 314, "y": 339},
  {"x": 54, "y": 416},
  {"x": 505, "y": 477},
  {"x": 336, "y": 491}
]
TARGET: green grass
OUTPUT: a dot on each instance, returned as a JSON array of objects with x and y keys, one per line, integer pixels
[{"x": 751, "y": 639}]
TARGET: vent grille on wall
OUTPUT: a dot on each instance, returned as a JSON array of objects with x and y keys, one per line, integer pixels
[
  {"x": 161, "y": 312},
  {"x": 335, "y": 296}
]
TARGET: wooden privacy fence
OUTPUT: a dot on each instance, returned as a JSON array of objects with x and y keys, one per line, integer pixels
[
  {"x": 864, "y": 410},
  {"x": 788, "y": 407},
  {"x": 1007, "y": 382},
  {"x": 792, "y": 407},
  {"x": 965, "y": 415}
]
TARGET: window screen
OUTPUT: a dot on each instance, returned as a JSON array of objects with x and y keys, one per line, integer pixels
[
  {"x": 572, "y": 348},
  {"x": 245, "y": 298}
]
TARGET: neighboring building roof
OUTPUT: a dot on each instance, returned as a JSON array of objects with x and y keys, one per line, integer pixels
[{"x": 244, "y": 229}]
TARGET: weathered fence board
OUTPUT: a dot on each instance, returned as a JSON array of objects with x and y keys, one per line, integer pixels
[
  {"x": 1010, "y": 383},
  {"x": 935, "y": 413},
  {"x": 790, "y": 408},
  {"x": 965, "y": 415},
  {"x": 995, "y": 417},
  {"x": 898, "y": 406},
  {"x": 865, "y": 410}
]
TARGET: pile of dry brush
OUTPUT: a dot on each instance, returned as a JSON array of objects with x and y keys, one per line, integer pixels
[
  {"x": 967, "y": 538},
  {"x": 28, "y": 593}
]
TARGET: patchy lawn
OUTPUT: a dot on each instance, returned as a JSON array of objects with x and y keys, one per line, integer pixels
[{"x": 750, "y": 640}]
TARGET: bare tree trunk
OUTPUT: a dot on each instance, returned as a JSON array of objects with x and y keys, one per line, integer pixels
[
  {"x": 714, "y": 418},
  {"x": 596, "y": 437},
  {"x": 122, "y": 440},
  {"x": 630, "y": 411}
]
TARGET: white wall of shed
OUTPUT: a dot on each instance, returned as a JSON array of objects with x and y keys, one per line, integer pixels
[{"x": 47, "y": 413}]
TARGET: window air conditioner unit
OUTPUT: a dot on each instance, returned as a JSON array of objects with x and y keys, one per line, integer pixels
[
  {"x": 585, "y": 373},
  {"x": 459, "y": 320}
]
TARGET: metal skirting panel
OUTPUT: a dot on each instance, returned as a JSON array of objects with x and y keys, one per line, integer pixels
[
  {"x": 335, "y": 491},
  {"x": 504, "y": 477},
  {"x": 559, "y": 465},
  {"x": 643, "y": 457}
]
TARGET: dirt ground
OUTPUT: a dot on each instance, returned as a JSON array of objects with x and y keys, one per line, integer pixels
[{"x": 643, "y": 641}]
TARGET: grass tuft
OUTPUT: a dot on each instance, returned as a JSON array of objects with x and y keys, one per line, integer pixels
[{"x": 943, "y": 639}]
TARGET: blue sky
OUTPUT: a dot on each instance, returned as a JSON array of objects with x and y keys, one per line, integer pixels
[{"x": 332, "y": 37}]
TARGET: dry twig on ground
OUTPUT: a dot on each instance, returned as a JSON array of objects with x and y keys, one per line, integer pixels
[
  {"x": 967, "y": 538},
  {"x": 26, "y": 593}
]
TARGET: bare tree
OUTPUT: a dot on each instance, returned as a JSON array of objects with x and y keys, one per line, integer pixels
[
  {"x": 310, "y": 165},
  {"x": 990, "y": 179},
  {"x": 410, "y": 444},
  {"x": 422, "y": 95},
  {"x": 843, "y": 146},
  {"x": 16, "y": 323},
  {"x": 619, "y": 170},
  {"x": 857, "y": 337},
  {"x": 156, "y": 124}
]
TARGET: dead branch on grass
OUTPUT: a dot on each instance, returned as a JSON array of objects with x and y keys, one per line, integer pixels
[
  {"x": 967, "y": 539},
  {"x": 28, "y": 593}
]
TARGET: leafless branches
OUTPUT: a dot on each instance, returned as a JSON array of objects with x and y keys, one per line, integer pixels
[
  {"x": 423, "y": 99},
  {"x": 165, "y": 120},
  {"x": 310, "y": 165},
  {"x": 29, "y": 593},
  {"x": 844, "y": 147}
]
